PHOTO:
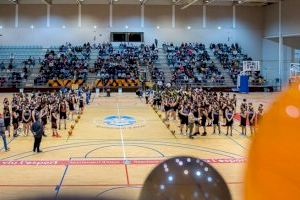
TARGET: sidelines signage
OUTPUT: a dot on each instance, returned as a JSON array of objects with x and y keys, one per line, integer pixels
[
  {"x": 249, "y": 66},
  {"x": 65, "y": 83},
  {"x": 104, "y": 162},
  {"x": 117, "y": 83}
]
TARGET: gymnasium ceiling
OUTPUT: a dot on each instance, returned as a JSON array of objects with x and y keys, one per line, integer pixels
[{"x": 182, "y": 3}]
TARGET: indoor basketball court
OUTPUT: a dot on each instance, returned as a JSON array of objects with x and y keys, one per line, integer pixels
[
  {"x": 98, "y": 161},
  {"x": 149, "y": 99}
]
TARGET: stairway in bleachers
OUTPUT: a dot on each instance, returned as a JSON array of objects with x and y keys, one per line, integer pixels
[
  {"x": 93, "y": 57},
  {"x": 228, "y": 80},
  {"x": 162, "y": 64}
]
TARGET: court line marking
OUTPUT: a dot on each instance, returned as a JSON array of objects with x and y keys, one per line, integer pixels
[
  {"x": 157, "y": 151},
  {"x": 9, "y": 142},
  {"x": 121, "y": 133},
  {"x": 99, "y": 162},
  {"x": 123, "y": 147},
  {"x": 117, "y": 188},
  {"x": 153, "y": 143},
  {"x": 58, "y": 187},
  {"x": 95, "y": 185},
  {"x": 246, "y": 137},
  {"x": 236, "y": 142},
  {"x": 127, "y": 175}
]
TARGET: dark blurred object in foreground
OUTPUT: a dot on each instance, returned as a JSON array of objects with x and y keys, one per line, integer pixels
[{"x": 185, "y": 178}]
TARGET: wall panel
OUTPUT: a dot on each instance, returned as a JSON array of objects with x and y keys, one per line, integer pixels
[
  {"x": 35, "y": 15},
  {"x": 191, "y": 16},
  {"x": 7, "y": 15},
  {"x": 95, "y": 15},
  {"x": 126, "y": 15},
  {"x": 158, "y": 16},
  {"x": 219, "y": 16},
  {"x": 64, "y": 15}
]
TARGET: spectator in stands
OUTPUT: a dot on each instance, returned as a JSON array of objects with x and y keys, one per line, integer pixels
[
  {"x": 123, "y": 62},
  {"x": 2, "y": 66},
  {"x": 69, "y": 63}
]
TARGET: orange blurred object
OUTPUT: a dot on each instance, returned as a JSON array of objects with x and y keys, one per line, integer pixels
[{"x": 273, "y": 170}]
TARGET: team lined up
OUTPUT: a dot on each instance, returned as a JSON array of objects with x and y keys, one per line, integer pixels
[
  {"x": 199, "y": 108},
  {"x": 25, "y": 109}
]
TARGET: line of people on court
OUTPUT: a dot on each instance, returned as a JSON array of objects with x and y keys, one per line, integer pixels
[
  {"x": 198, "y": 108},
  {"x": 27, "y": 108}
]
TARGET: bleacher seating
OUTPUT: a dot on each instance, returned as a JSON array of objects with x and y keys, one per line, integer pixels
[
  {"x": 231, "y": 58},
  {"x": 64, "y": 62},
  {"x": 15, "y": 63},
  {"x": 191, "y": 63},
  {"x": 122, "y": 62}
]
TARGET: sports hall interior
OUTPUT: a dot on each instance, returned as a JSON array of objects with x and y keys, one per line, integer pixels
[{"x": 97, "y": 161}]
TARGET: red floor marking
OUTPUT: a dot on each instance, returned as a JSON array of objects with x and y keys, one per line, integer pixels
[
  {"x": 127, "y": 176},
  {"x": 94, "y": 185},
  {"x": 70, "y": 185},
  {"x": 103, "y": 162}
]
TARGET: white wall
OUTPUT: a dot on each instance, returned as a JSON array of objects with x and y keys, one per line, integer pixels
[
  {"x": 290, "y": 33},
  {"x": 7, "y": 16},
  {"x": 130, "y": 15}
]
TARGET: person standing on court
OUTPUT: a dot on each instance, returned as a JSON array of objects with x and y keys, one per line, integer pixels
[
  {"x": 37, "y": 130},
  {"x": 156, "y": 42},
  {"x": 2, "y": 133}
]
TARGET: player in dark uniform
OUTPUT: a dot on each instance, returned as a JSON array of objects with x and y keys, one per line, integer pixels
[
  {"x": 27, "y": 119},
  {"x": 71, "y": 102},
  {"x": 81, "y": 105},
  {"x": 203, "y": 120},
  {"x": 167, "y": 109},
  {"x": 54, "y": 118},
  {"x": 244, "y": 122},
  {"x": 196, "y": 114},
  {"x": 183, "y": 115},
  {"x": 216, "y": 119},
  {"x": 44, "y": 116},
  {"x": 63, "y": 113},
  {"x": 7, "y": 120},
  {"x": 252, "y": 118},
  {"x": 15, "y": 121},
  {"x": 229, "y": 119}
]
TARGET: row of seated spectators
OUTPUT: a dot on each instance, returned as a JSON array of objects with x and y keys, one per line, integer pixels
[
  {"x": 191, "y": 63},
  {"x": 157, "y": 75},
  {"x": 13, "y": 78},
  {"x": 11, "y": 74},
  {"x": 231, "y": 59},
  {"x": 123, "y": 62},
  {"x": 69, "y": 62}
]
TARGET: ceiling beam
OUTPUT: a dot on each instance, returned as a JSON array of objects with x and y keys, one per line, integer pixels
[
  {"x": 177, "y": 2},
  {"x": 14, "y": 1},
  {"x": 189, "y": 4},
  {"x": 79, "y": 2},
  {"x": 48, "y": 2},
  {"x": 210, "y": 1},
  {"x": 144, "y": 1}
]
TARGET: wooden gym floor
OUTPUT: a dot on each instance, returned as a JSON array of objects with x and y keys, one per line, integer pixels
[{"x": 91, "y": 161}]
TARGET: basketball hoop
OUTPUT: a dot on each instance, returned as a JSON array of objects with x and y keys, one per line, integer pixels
[{"x": 251, "y": 66}]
